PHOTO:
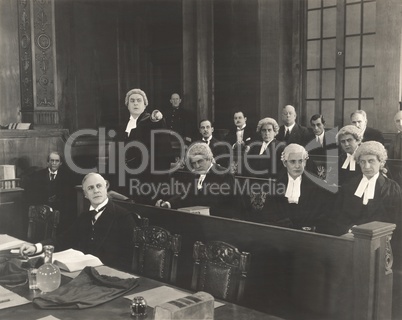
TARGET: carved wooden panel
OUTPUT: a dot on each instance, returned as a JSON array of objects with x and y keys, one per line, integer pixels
[{"x": 37, "y": 61}]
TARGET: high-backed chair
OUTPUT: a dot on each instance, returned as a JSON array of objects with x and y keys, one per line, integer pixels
[
  {"x": 43, "y": 221},
  {"x": 156, "y": 252},
  {"x": 220, "y": 269}
]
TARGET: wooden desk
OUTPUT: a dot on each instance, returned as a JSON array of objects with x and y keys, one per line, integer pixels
[{"x": 116, "y": 309}]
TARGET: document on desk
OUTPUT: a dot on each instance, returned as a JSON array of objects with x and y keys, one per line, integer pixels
[
  {"x": 48, "y": 318},
  {"x": 8, "y": 242},
  {"x": 10, "y": 299},
  {"x": 162, "y": 294},
  {"x": 103, "y": 270}
]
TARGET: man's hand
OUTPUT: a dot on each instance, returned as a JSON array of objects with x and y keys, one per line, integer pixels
[
  {"x": 162, "y": 204},
  {"x": 27, "y": 249},
  {"x": 156, "y": 115}
]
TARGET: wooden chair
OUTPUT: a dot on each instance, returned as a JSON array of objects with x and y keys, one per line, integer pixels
[
  {"x": 156, "y": 252},
  {"x": 43, "y": 221},
  {"x": 220, "y": 269}
]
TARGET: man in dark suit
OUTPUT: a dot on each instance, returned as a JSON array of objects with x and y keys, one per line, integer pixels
[
  {"x": 239, "y": 137},
  {"x": 290, "y": 131},
  {"x": 211, "y": 185},
  {"x": 241, "y": 134},
  {"x": 219, "y": 148},
  {"x": 319, "y": 142},
  {"x": 359, "y": 119},
  {"x": 105, "y": 231},
  {"x": 179, "y": 119},
  {"x": 54, "y": 187}
]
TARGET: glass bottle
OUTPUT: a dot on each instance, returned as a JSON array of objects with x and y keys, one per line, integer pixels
[
  {"x": 139, "y": 308},
  {"x": 48, "y": 277}
]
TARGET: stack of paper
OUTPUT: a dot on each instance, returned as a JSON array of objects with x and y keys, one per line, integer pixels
[{"x": 10, "y": 299}]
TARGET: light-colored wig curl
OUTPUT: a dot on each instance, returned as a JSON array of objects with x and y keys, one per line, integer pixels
[
  {"x": 294, "y": 148},
  {"x": 200, "y": 148},
  {"x": 373, "y": 148},
  {"x": 349, "y": 129},
  {"x": 268, "y": 121},
  {"x": 137, "y": 91}
]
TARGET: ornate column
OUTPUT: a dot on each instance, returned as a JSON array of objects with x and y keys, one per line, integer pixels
[{"x": 38, "y": 62}]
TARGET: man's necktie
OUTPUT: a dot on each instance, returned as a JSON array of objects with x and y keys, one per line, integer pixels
[
  {"x": 52, "y": 176},
  {"x": 95, "y": 212},
  {"x": 287, "y": 135}
]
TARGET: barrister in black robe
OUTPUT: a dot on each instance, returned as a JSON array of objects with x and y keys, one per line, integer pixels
[
  {"x": 301, "y": 201},
  {"x": 263, "y": 160},
  {"x": 140, "y": 128},
  {"x": 349, "y": 138},
  {"x": 370, "y": 196},
  {"x": 209, "y": 185}
]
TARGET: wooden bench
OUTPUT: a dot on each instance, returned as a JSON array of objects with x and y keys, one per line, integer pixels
[{"x": 294, "y": 274}]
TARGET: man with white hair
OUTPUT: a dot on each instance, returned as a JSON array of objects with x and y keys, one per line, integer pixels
[
  {"x": 358, "y": 118},
  {"x": 299, "y": 203},
  {"x": 371, "y": 196},
  {"x": 105, "y": 230},
  {"x": 210, "y": 185}
]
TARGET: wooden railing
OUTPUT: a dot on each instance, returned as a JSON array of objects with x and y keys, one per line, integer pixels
[{"x": 294, "y": 274}]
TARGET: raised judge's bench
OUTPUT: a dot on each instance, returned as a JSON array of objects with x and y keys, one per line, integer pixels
[{"x": 294, "y": 274}]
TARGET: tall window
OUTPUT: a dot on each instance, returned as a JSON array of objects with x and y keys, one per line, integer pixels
[{"x": 340, "y": 51}]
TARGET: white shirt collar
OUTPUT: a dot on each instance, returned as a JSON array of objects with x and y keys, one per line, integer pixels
[
  {"x": 321, "y": 138},
  {"x": 366, "y": 188},
  {"x": 53, "y": 172},
  {"x": 208, "y": 139},
  {"x": 102, "y": 205},
  {"x": 242, "y": 127},
  {"x": 290, "y": 128},
  {"x": 293, "y": 189}
]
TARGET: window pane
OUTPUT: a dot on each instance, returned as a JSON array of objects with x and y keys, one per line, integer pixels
[
  {"x": 328, "y": 3},
  {"x": 353, "y": 19},
  {"x": 328, "y": 84},
  {"x": 351, "y": 83},
  {"x": 368, "y": 82},
  {"x": 314, "y": 4},
  {"x": 369, "y": 11},
  {"x": 313, "y": 84},
  {"x": 329, "y": 22},
  {"x": 328, "y": 111},
  {"x": 312, "y": 107},
  {"x": 349, "y": 106},
  {"x": 368, "y": 106},
  {"x": 313, "y": 54},
  {"x": 328, "y": 53},
  {"x": 368, "y": 50},
  {"x": 314, "y": 24},
  {"x": 352, "y": 51}
]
